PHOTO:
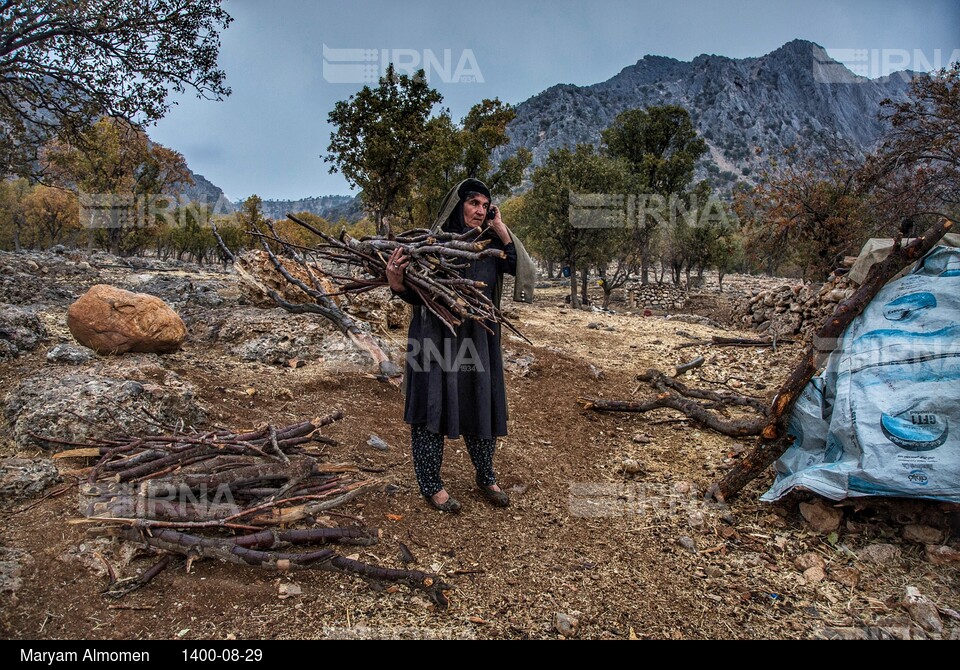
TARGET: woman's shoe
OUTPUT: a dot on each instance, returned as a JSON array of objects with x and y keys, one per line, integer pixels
[
  {"x": 495, "y": 498},
  {"x": 451, "y": 504}
]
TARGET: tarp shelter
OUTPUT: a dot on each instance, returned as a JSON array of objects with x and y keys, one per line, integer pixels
[{"x": 883, "y": 418}]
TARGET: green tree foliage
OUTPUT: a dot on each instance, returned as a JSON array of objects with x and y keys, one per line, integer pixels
[
  {"x": 191, "y": 236},
  {"x": 233, "y": 236},
  {"x": 458, "y": 152},
  {"x": 661, "y": 147},
  {"x": 660, "y": 144},
  {"x": 543, "y": 217},
  {"x": 380, "y": 133},
  {"x": 65, "y": 63}
]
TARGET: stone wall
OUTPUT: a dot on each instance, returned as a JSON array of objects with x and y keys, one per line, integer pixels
[
  {"x": 665, "y": 297},
  {"x": 791, "y": 308}
]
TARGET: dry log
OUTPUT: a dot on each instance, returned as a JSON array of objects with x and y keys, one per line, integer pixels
[
  {"x": 746, "y": 342},
  {"x": 719, "y": 341},
  {"x": 241, "y": 551}
]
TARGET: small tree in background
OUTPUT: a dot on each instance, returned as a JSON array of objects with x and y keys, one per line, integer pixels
[
  {"x": 661, "y": 147},
  {"x": 13, "y": 220},
  {"x": 544, "y": 217},
  {"x": 53, "y": 213},
  {"x": 380, "y": 134}
]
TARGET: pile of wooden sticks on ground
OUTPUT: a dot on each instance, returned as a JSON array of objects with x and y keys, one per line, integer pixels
[
  {"x": 433, "y": 274},
  {"x": 217, "y": 494}
]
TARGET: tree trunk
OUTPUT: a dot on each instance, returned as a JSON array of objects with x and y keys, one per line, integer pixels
[
  {"x": 607, "y": 292},
  {"x": 549, "y": 269},
  {"x": 383, "y": 225},
  {"x": 574, "y": 299},
  {"x": 584, "y": 275}
]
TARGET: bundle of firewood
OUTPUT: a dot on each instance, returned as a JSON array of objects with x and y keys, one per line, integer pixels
[
  {"x": 217, "y": 494},
  {"x": 433, "y": 274}
]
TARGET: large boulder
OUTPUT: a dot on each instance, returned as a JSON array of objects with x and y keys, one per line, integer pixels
[
  {"x": 24, "y": 477},
  {"x": 110, "y": 320}
]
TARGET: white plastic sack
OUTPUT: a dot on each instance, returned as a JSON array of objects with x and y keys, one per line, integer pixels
[{"x": 883, "y": 419}]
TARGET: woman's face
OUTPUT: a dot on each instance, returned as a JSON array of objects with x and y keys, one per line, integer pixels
[{"x": 475, "y": 210}]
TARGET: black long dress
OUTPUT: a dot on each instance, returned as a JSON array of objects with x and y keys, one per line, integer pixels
[{"x": 454, "y": 383}]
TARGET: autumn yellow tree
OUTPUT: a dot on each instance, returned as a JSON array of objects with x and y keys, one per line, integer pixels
[
  {"x": 52, "y": 214},
  {"x": 12, "y": 217},
  {"x": 113, "y": 159}
]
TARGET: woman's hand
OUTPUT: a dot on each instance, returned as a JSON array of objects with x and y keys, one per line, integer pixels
[
  {"x": 396, "y": 265},
  {"x": 498, "y": 227}
]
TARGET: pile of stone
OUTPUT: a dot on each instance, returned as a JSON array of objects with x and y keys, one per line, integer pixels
[
  {"x": 660, "y": 297},
  {"x": 791, "y": 308}
]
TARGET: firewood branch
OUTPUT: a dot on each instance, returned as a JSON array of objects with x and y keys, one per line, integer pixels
[{"x": 675, "y": 395}]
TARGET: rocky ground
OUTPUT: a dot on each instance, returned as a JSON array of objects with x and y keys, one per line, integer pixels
[{"x": 607, "y": 537}]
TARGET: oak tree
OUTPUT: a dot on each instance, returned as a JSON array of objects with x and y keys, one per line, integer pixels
[
  {"x": 66, "y": 63},
  {"x": 380, "y": 133}
]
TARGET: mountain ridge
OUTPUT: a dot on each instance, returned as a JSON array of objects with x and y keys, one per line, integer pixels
[{"x": 794, "y": 95}]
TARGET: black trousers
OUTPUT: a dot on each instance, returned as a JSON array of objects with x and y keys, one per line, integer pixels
[{"x": 427, "y": 449}]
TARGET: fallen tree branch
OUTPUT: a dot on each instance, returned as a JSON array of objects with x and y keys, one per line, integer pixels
[
  {"x": 686, "y": 367},
  {"x": 675, "y": 395},
  {"x": 244, "y": 551}
]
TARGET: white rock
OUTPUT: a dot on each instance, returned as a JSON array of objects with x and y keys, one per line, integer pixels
[{"x": 922, "y": 610}]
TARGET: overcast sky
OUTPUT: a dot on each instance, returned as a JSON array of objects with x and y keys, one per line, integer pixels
[{"x": 270, "y": 136}]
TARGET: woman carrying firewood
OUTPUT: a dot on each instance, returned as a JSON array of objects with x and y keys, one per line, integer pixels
[{"x": 454, "y": 382}]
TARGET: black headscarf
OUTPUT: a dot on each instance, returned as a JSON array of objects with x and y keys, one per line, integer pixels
[{"x": 455, "y": 222}]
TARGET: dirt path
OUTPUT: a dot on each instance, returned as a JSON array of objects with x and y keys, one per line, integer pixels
[{"x": 581, "y": 537}]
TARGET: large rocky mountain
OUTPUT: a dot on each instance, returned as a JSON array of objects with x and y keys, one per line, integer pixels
[
  {"x": 794, "y": 95},
  {"x": 205, "y": 192}
]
